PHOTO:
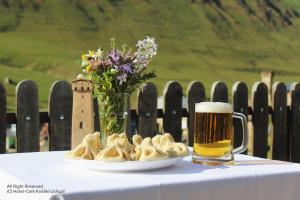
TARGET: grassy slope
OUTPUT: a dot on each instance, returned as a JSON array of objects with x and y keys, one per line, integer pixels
[{"x": 196, "y": 41}]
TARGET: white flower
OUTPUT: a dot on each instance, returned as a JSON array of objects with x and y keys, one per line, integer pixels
[
  {"x": 84, "y": 63},
  {"x": 122, "y": 78},
  {"x": 147, "y": 48},
  {"x": 113, "y": 70},
  {"x": 99, "y": 53}
]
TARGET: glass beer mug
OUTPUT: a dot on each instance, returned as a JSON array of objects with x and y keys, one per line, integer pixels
[{"x": 213, "y": 133}]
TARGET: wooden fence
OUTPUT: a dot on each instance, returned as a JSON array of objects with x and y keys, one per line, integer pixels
[{"x": 285, "y": 119}]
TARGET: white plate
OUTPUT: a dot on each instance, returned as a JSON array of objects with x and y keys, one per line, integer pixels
[{"x": 126, "y": 165}]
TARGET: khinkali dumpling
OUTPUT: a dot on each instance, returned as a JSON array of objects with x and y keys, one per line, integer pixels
[
  {"x": 113, "y": 153},
  {"x": 175, "y": 149},
  {"x": 150, "y": 152},
  {"x": 119, "y": 138},
  {"x": 156, "y": 140},
  {"x": 111, "y": 139},
  {"x": 136, "y": 153},
  {"x": 138, "y": 143},
  {"x": 137, "y": 140},
  {"x": 146, "y": 141},
  {"x": 166, "y": 138},
  {"x": 88, "y": 148}
]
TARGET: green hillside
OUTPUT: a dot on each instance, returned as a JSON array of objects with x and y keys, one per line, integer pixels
[{"x": 204, "y": 40}]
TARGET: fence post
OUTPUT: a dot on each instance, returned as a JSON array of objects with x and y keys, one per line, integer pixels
[
  {"x": 279, "y": 118},
  {"x": 195, "y": 94},
  {"x": 28, "y": 122},
  {"x": 60, "y": 115},
  {"x": 295, "y": 126},
  {"x": 240, "y": 104},
  {"x": 173, "y": 110},
  {"x": 219, "y": 92},
  {"x": 2, "y": 119},
  {"x": 96, "y": 115},
  {"x": 260, "y": 119},
  {"x": 128, "y": 122},
  {"x": 147, "y": 110}
]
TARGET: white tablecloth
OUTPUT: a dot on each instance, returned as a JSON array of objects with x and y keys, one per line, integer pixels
[{"x": 250, "y": 179}]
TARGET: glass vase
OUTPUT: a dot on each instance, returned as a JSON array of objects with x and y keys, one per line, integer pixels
[{"x": 113, "y": 112}]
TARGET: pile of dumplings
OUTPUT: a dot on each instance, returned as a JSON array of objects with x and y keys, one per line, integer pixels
[{"x": 118, "y": 148}]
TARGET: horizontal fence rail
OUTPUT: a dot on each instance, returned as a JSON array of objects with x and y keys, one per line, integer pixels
[{"x": 285, "y": 119}]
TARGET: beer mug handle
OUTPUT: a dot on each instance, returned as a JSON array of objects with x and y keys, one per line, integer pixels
[{"x": 244, "y": 145}]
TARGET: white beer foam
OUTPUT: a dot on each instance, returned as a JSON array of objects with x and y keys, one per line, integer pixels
[{"x": 213, "y": 107}]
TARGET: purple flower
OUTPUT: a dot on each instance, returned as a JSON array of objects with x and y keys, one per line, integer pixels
[
  {"x": 114, "y": 56},
  {"x": 127, "y": 68}
]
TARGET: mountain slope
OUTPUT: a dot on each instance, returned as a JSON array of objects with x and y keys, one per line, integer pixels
[{"x": 204, "y": 40}]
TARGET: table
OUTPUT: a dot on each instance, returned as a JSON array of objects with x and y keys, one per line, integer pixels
[{"x": 251, "y": 178}]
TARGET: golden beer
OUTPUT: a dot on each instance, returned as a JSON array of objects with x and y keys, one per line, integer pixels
[{"x": 213, "y": 133}]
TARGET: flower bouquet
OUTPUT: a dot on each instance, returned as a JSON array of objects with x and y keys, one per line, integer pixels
[{"x": 115, "y": 75}]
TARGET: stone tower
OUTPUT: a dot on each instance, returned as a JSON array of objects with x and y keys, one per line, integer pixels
[{"x": 83, "y": 111}]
